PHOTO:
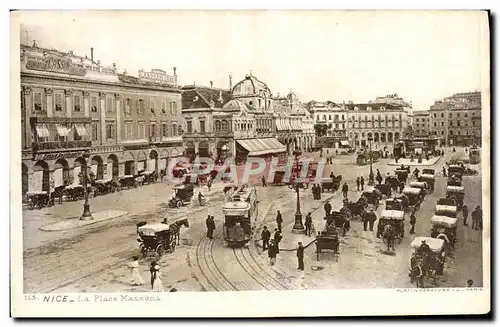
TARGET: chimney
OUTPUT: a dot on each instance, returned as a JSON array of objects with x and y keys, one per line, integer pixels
[
  {"x": 175, "y": 71},
  {"x": 92, "y": 54},
  {"x": 230, "y": 82},
  {"x": 211, "y": 84}
]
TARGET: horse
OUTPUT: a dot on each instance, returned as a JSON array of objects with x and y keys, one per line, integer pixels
[
  {"x": 389, "y": 235},
  {"x": 175, "y": 229}
]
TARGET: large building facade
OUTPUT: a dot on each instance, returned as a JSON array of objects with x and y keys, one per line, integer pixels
[
  {"x": 244, "y": 120},
  {"x": 421, "y": 123},
  {"x": 330, "y": 120},
  {"x": 72, "y": 105},
  {"x": 384, "y": 121},
  {"x": 457, "y": 119}
]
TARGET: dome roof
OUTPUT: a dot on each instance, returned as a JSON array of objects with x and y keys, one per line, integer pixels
[{"x": 251, "y": 86}]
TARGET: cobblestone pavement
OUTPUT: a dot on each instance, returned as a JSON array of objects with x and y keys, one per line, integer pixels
[{"x": 94, "y": 258}]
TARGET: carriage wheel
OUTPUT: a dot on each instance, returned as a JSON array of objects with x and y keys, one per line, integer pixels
[
  {"x": 31, "y": 205},
  {"x": 160, "y": 250},
  {"x": 178, "y": 204}
]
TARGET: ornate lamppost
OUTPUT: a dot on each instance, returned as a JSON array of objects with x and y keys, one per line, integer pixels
[
  {"x": 298, "y": 226},
  {"x": 87, "y": 215},
  {"x": 371, "y": 179}
]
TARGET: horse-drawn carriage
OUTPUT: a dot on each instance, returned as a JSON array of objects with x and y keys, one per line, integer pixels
[
  {"x": 384, "y": 189},
  {"x": 394, "y": 204},
  {"x": 328, "y": 239},
  {"x": 423, "y": 186},
  {"x": 331, "y": 183},
  {"x": 150, "y": 177},
  {"x": 183, "y": 194},
  {"x": 355, "y": 208},
  {"x": 402, "y": 174},
  {"x": 74, "y": 192},
  {"x": 446, "y": 207},
  {"x": 155, "y": 238},
  {"x": 179, "y": 171},
  {"x": 428, "y": 176},
  {"x": 127, "y": 181},
  {"x": 339, "y": 221},
  {"x": 391, "y": 227},
  {"x": 393, "y": 181},
  {"x": 432, "y": 260},
  {"x": 105, "y": 186},
  {"x": 279, "y": 176},
  {"x": 456, "y": 193},
  {"x": 414, "y": 196},
  {"x": 372, "y": 196},
  {"x": 38, "y": 199},
  {"x": 444, "y": 228},
  {"x": 456, "y": 170}
]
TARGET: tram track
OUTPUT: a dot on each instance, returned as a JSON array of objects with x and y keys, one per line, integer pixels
[
  {"x": 41, "y": 276},
  {"x": 244, "y": 272}
]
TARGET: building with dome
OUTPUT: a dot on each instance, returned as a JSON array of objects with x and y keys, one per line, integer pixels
[{"x": 242, "y": 121}]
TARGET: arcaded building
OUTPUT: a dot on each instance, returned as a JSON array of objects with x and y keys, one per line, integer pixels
[{"x": 73, "y": 105}]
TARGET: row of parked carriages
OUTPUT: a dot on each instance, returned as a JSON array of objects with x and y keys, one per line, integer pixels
[{"x": 75, "y": 192}]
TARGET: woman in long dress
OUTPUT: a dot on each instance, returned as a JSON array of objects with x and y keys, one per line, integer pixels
[
  {"x": 135, "y": 276},
  {"x": 156, "y": 283}
]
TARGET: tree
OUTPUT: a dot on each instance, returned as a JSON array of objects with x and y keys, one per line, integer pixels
[{"x": 320, "y": 129}]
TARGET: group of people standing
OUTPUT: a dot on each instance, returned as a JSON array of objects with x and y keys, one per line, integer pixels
[
  {"x": 477, "y": 217},
  {"x": 155, "y": 275}
]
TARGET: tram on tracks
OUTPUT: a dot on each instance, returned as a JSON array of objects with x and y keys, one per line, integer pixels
[{"x": 239, "y": 215}]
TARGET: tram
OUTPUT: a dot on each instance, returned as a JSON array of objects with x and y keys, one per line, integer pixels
[
  {"x": 239, "y": 215},
  {"x": 474, "y": 155}
]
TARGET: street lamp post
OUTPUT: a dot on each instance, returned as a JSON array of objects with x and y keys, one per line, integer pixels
[
  {"x": 87, "y": 215},
  {"x": 371, "y": 179},
  {"x": 298, "y": 226}
]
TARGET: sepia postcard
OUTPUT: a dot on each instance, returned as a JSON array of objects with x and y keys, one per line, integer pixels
[{"x": 249, "y": 163}]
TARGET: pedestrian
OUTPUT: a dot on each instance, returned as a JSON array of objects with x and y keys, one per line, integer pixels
[
  {"x": 419, "y": 274},
  {"x": 362, "y": 182},
  {"x": 279, "y": 220},
  {"x": 379, "y": 179},
  {"x": 358, "y": 183},
  {"x": 264, "y": 183},
  {"x": 401, "y": 186},
  {"x": 266, "y": 236},
  {"x": 135, "y": 275},
  {"x": 156, "y": 284},
  {"x": 209, "y": 183},
  {"x": 444, "y": 171},
  {"x": 371, "y": 219},
  {"x": 328, "y": 208},
  {"x": 210, "y": 226},
  {"x": 364, "y": 219},
  {"x": 277, "y": 238},
  {"x": 477, "y": 217},
  {"x": 308, "y": 224},
  {"x": 413, "y": 221},
  {"x": 272, "y": 252},
  {"x": 300, "y": 256},
  {"x": 465, "y": 214},
  {"x": 345, "y": 189}
]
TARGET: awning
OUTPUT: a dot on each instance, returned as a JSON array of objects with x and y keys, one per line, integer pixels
[
  {"x": 279, "y": 125},
  {"x": 257, "y": 147},
  {"x": 42, "y": 131},
  {"x": 62, "y": 130},
  {"x": 81, "y": 130},
  {"x": 344, "y": 142}
]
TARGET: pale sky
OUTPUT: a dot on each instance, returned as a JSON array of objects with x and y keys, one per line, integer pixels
[{"x": 320, "y": 55}]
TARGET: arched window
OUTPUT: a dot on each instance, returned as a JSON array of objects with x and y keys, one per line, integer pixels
[
  {"x": 179, "y": 130},
  {"x": 217, "y": 125},
  {"x": 224, "y": 125},
  {"x": 324, "y": 117}
]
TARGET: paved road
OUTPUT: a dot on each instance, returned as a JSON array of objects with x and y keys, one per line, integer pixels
[{"x": 93, "y": 258}]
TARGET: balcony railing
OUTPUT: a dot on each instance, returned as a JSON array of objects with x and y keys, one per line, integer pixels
[{"x": 40, "y": 146}]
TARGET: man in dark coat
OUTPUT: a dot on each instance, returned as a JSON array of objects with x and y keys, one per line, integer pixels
[
  {"x": 279, "y": 220},
  {"x": 277, "y": 239},
  {"x": 477, "y": 218},
  {"x": 465, "y": 214},
  {"x": 266, "y": 236},
  {"x": 210, "y": 227},
  {"x": 364, "y": 219},
  {"x": 413, "y": 221},
  {"x": 300, "y": 256},
  {"x": 358, "y": 183},
  {"x": 264, "y": 183},
  {"x": 345, "y": 188},
  {"x": 272, "y": 252},
  {"x": 371, "y": 219},
  {"x": 308, "y": 224},
  {"x": 328, "y": 208},
  {"x": 362, "y": 182}
]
